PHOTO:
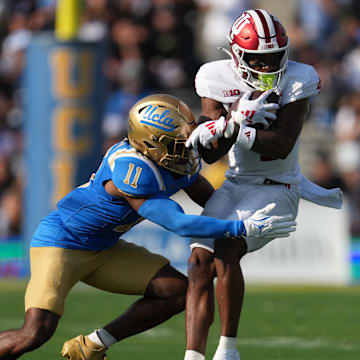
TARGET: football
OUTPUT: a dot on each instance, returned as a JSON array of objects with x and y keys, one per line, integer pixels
[{"x": 272, "y": 98}]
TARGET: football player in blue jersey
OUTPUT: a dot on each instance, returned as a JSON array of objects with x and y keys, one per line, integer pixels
[{"x": 80, "y": 240}]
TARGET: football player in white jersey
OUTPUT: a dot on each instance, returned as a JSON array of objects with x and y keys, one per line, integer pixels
[{"x": 263, "y": 164}]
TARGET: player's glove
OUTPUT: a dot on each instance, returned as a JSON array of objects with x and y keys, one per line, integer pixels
[
  {"x": 260, "y": 224},
  {"x": 209, "y": 131},
  {"x": 250, "y": 112},
  {"x": 246, "y": 136}
]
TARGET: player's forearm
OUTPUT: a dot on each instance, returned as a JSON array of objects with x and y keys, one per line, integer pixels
[
  {"x": 218, "y": 149},
  {"x": 168, "y": 214},
  {"x": 200, "y": 191},
  {"x": 202, "y": 226},
  {"x": 278, "y": 142},
  {"x": 272, "y": 145}
]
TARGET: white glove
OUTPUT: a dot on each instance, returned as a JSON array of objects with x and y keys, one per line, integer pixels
[
  {"x": 262, "y": 225},
  {"x": 209, "y": 131},
  {"x": 250, "y": 112},
  {"x": 246, "y": 136}
]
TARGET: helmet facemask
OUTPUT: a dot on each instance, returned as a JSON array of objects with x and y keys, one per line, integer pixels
[
  {"x": 261, "y": 80},
  {"x": 178, "y": 159}
]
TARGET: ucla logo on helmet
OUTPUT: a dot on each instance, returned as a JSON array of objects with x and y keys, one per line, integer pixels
[{"x": 153, "y": 116}]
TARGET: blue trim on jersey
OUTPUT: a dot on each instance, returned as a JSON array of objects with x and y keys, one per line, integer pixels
[{"x": 169, "y": 214}]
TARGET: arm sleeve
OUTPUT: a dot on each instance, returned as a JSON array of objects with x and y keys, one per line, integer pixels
[{"x": 169, "y": 214}]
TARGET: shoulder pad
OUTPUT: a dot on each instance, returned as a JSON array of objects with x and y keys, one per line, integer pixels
[
  {"x": 218, "y": 81},
  {"x": 300, "y": 81},
  {"x": 135, "y": 175}
]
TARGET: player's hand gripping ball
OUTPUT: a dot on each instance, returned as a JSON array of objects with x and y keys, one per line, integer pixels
[{"x": 272, "y": 98}]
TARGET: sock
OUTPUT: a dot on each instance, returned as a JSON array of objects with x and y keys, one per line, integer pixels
[
  {"x": 106, "y": 338},
  {"x": 102, "y": 337},
  {"x": 227, "y": 342},
  {"x": 95, "y": 338},
  {"x": 193, "y": 355}
]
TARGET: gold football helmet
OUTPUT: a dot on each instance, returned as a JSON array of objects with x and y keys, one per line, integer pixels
[{"x": 159, "y": 126}]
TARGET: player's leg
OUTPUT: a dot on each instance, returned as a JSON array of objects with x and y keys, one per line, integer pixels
[
  {"x": 130, "y": 269},
  {"x": 230, "y": 282},
  {"x": 200, "y": 299},
  {"x": 230, "y": 288},
  {"x": 53, "y": 274},
  {"x": 163, "y": 298},
  {"x": 39, "y": 325},
  {"x": 201, "y": 272}
]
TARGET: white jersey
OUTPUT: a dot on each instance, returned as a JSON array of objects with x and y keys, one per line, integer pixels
[{"x": 217, "y": 80}]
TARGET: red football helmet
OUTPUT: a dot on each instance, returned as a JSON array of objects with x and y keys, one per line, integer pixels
[{"x": 258, "y": 32}]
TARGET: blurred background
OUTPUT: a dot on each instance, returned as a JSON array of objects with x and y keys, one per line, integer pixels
[{"x": 65, "y": 96}]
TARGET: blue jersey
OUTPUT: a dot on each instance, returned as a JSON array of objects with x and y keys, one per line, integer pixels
[{"x": 89, "y": 218}]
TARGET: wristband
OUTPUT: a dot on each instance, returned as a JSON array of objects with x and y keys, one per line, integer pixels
[{"x": 246, "y": 136}]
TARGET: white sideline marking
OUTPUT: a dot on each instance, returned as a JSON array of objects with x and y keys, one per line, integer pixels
[
  {"x": 157, "y": 333},
  {"x": 296, "y": 342}
]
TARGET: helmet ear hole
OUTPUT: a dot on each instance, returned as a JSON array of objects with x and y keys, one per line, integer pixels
[{"x": 149, "y": 145}]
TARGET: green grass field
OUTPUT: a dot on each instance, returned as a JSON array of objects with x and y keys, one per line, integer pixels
[{"x": 278, "y": 323}]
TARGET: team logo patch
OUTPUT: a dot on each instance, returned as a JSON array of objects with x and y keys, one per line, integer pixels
[
  {"x": 211, "y": 127},
  {"x": 247, "y": 134},
  {"x": 153, "y": 116},
  {"x": 249, "y": 115},
  {"x": 232, "y": 92}
]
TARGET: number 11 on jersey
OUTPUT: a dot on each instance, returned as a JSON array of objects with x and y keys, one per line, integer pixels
[{"x": 136, "y": 177}]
